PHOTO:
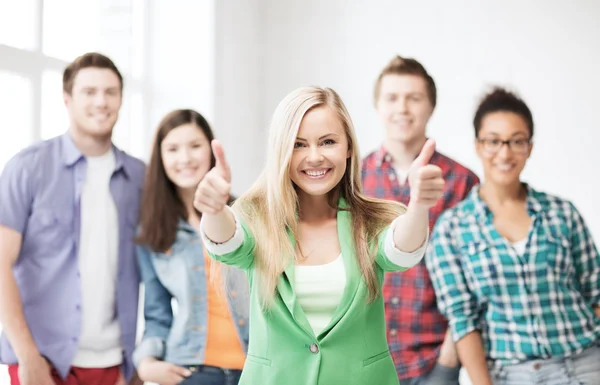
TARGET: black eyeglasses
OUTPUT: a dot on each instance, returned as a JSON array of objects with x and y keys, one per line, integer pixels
[{"x": 518, "y": 146}]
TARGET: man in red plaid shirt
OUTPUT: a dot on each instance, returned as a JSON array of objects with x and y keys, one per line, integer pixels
[{"x": 405, "y": 97}]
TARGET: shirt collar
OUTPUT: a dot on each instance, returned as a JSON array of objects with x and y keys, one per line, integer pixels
[
  {"x": 482, "y": 210},
  {"x": 71, "y": 154}
]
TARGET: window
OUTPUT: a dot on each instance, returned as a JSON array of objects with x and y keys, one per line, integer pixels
[
  {"x": 54, "y": 119},
  {"x": 31, "y": 77},
  {"x": 102, "y": 26},
  {"x": 18, "y": 24},
  {"x": 16, "y": 101}
]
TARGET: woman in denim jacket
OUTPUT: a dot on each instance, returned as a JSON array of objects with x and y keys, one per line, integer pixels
[{"x": 203, "y": 339}]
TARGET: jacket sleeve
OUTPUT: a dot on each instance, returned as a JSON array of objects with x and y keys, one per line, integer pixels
[
  {"x": 237, "y": 251},
  {"x": 390, "y": 258},
  {"x": 158, "y": 314}
]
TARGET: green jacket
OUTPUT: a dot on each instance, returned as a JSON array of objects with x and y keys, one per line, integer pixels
[{"x": 283, "y": 348}]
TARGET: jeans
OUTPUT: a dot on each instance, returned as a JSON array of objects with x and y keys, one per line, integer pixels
[
  {"x": 211, "y": 375},
  {"x": 439, "y": 375},
  {"x": 581, "y": 369}
]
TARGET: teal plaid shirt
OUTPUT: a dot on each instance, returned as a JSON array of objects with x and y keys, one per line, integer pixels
[{"x": 535, "y": 305}]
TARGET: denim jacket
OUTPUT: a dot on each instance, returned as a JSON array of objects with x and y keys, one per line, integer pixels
[{"x": 180, "y": 337}]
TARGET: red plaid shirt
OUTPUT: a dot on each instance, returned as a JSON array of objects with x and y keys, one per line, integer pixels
[{"x": 415, "y": 327}]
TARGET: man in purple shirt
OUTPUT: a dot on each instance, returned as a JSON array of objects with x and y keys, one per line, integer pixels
[{"x": 68, "y": 215}]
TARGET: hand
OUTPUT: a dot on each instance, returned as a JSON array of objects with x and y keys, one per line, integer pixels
[
  {"x": 121, "y": 379},
  {"x": 136, "y": 380},
  {"x": 160, "y": 372},
  {"x": 212, "y": 193},
  {"x": 35, "y": 371},
  {"x": 448, "y": 355},
  {"x": 426, "y": 182}
]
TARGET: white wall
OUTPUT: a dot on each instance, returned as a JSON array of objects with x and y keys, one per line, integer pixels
[
  {"x": 179, "y": 60},
  {"x": 545, "y": 50},
  {"x": 239, "y": 88}
]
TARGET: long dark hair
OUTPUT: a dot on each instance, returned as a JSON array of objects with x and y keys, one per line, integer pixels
[{"x": 161, "y": 205}]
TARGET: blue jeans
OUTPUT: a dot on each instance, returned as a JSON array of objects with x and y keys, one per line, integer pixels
[
  {"x": 440, "y": 375},
  {"x": 581, "y": 369},
  {"x": 211, "y": 375}
]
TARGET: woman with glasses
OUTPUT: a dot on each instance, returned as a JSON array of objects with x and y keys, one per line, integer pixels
[{"x": 515, "y": 270}]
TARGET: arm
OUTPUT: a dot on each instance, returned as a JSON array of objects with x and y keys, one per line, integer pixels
[
  {"x": 15, "y": 204},
  {"x": 220, "y": 227},
  {"x": 238, "y": 249},
  {"x": 11, "y": 309},
  {"x": 426, "y": 188},
  {"x": 586, "y": 259},
  {"x": 455, "y": 300},
  {"x": 471, "y": 354},
  {"x": 158, "y": 314},
  {"x": 225, "y": 238},
  {"x": 409, "y": 232},
  {"x": 390, "y": 256},
  {"x": 411, "y": 229}
]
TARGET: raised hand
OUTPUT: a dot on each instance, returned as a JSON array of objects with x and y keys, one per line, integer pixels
[
  {"x": 426, "y": 181},
  {"x": 213, "y": 191}
]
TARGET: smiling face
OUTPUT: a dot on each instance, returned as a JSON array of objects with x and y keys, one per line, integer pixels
[
  {"x": 404, "y": 107},
  {"x": 94, "y": 101},
  {"x": 320, "y": 154},
  {"x": 186, "y": 156},
  {"x": 502, "y": 162}
]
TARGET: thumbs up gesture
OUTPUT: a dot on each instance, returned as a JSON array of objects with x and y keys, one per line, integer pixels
[
  {"x": 426, "y": 182},
  {"x": 212, "y": 193}
]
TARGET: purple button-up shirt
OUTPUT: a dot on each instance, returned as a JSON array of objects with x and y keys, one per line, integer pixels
[{"x": 40, "y": 190}]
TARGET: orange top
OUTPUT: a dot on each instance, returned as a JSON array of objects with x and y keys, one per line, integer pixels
[{"x": 223, "y": 346}]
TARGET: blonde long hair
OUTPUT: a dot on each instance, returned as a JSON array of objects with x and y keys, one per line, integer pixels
[{"x": 270, "y": 207}]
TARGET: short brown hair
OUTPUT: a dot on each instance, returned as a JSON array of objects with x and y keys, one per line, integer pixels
[
  {"x": 90, "y": 59},
  {"x": 407, "y": 66}
]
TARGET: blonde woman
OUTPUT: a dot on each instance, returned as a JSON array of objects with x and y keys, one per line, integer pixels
[{"x": 314, "y": 248}]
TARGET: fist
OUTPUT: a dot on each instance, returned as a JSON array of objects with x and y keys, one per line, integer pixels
[
  {"x": 212, "y": 193},
  {"x": 426, "y": 182}
]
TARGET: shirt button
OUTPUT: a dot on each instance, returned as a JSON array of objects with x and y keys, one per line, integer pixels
[
  {"x": 314, "y": 348},
  {"x": 392, "y": 176},
  {"x": 78, "y": 307},
  {"x": 241, "y": 322},
  {"x": 395, "y": 300},
  {"x": 393, "y": 332},
  {"x": 537, "y": 366}
]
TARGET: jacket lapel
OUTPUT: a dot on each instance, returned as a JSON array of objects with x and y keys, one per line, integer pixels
[
  {"x": 285, "y": 286},
  {"x": 345, "y": 237}
]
